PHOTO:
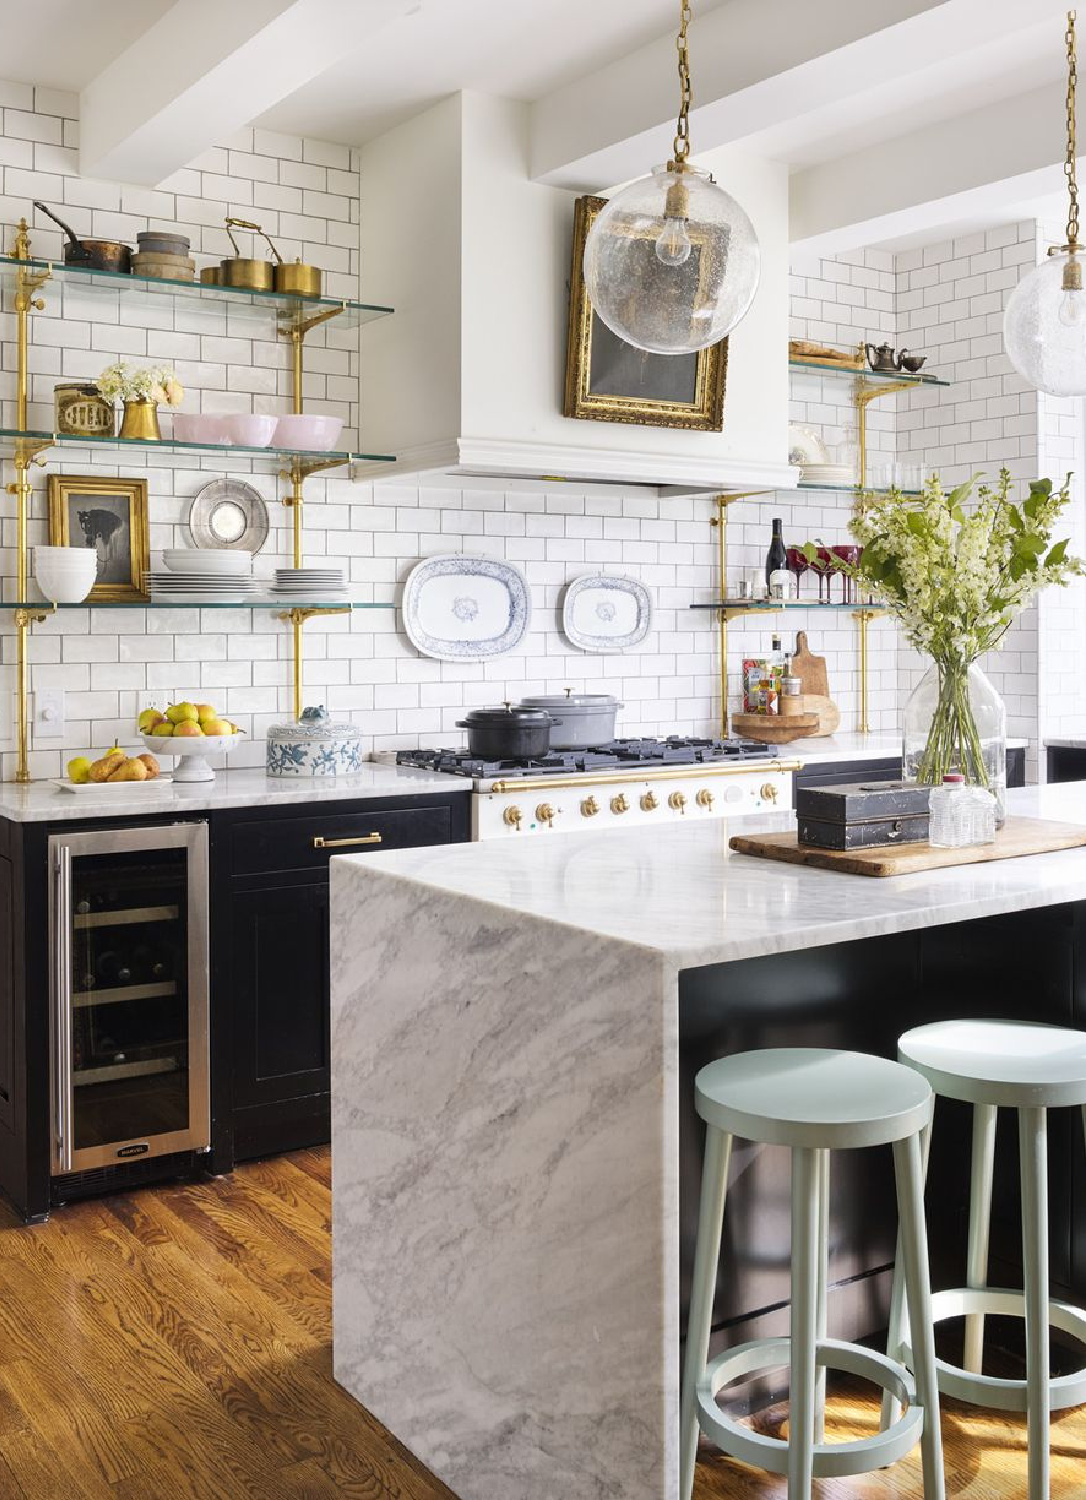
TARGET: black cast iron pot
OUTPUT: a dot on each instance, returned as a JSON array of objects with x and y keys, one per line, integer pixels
[{"x": 507, "y": 733}]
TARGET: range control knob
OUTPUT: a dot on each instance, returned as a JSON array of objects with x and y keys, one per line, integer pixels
[
  {"x": 769, "y": 791},
  {"x": 677, "y": 802},
  {"x": 704, "y": 797},
  {"x": 511, "y": 817},
  {"x": 545, "y": 813},
  {"x": 649, "y": 802},
  {"x": 619, "y": 803},
  {"x": 589, "y": 807}
]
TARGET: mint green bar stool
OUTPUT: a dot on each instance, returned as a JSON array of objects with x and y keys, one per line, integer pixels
[
  {"x": 814, "y": 1102},
  {"x": 1030, "y": 1068}
]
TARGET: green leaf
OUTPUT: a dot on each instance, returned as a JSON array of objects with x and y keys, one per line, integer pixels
[
  {"x": 810, "y": 552},
  {"x": 916, "y": 523},
  {"x": 1058, "y": 553},
  {"x": 956, "y": 496}
]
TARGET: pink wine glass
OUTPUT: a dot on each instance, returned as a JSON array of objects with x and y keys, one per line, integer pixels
[{"x": 848, "y": 552}]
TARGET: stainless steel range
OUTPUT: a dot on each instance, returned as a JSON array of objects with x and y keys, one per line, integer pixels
[{"x": 615, "y": 785}]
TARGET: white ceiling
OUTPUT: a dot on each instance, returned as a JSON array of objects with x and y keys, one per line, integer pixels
[
  {"x": 63, "y": 44},
  {"x": 520, "y": 49}
]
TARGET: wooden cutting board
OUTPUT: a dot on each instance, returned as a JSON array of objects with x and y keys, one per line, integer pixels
[
  {"x": 811, "y": 670},
  {"x": 829, "y": 715},
  {"x": 1019, "y": 836}
]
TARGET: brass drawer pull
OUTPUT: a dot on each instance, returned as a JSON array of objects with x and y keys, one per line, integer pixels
[{"x": 320, "y": 842}]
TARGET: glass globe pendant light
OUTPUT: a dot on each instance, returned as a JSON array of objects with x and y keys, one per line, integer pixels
[
  {"x": 671, "y": 263},
  {"x": 1044, "y": 327}
]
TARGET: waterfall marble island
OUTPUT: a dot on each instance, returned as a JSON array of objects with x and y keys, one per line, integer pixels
[{"x": 515, "y": 1031}]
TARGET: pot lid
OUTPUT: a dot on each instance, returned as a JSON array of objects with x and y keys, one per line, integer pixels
[
  {"x": 315, "y": 724},
  {"x": 508, "y": 713},
  {"x": 569, "y": 701}
]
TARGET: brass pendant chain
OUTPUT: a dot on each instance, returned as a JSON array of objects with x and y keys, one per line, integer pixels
[
  {"x": 681, "y": 147},
  {"x": 1069, "y": 163}
]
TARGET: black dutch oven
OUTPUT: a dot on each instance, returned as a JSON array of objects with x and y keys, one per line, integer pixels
[{"x": 507, "y": 733}]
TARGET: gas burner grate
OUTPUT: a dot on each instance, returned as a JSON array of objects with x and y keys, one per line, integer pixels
[{"x": 676, "y": 750}]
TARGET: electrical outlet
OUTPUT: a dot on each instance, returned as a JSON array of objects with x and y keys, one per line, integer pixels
[{"x": 49, "y": 714}]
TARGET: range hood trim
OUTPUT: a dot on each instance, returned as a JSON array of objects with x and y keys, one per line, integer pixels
[{"x": 667, "y": 474}]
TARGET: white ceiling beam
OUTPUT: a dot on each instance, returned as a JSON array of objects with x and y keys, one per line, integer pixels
[
  {"x": 973, "y": 166},
  {"x": 757, "y": 64},
  {"x": 208, "y": 68}
]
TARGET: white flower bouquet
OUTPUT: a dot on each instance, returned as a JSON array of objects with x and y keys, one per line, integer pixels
[
  {"x": 955, "y": 569},
  {"x": 156, "y": 383}
]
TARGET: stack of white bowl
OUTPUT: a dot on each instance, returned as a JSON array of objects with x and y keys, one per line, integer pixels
[
  {"x": 65, "y": 575},
  {"x": 212, "y": 575}
]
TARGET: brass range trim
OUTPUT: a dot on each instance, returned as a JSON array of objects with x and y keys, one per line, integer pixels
[{"x": 535, "y": 784}]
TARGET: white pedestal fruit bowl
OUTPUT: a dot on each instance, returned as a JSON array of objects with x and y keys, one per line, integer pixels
[{"x": 191, "y": 752}]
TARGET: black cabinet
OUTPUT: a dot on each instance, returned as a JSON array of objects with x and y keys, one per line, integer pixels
[
  {"x": 1066, "y": 763},
  {"x": 271, "y": 1063}
]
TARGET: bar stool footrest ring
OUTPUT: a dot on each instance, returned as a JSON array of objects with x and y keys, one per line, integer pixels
[
  {"x": 831, "y": 1460},
  {"x": 987, "y": 1390}
]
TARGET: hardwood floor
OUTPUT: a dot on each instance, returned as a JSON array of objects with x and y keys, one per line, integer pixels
[{"x": 176, "y": 1342}]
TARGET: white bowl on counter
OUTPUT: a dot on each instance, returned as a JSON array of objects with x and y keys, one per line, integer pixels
[
  {"x": 306, "y": 431},
  {"x": 65, "y": 575},
  {"x": 191, "y": 752}
]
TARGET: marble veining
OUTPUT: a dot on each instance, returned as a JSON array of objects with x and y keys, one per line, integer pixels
[
  {"x": 504, "y": 1172},
  {"x": 42, "y": 802}
]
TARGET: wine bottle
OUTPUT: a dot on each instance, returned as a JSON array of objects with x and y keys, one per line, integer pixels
[
  {"x": 113, "y": 970},
  {"x": 777, "y": 556}
]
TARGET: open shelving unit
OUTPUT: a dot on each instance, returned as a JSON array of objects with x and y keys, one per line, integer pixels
[{"x": 286, "y": 315}]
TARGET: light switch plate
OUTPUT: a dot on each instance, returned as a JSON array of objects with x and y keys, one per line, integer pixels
[{"x": 49, "y": 714}]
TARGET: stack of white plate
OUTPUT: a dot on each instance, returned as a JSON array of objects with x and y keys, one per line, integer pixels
[
  {"x": 197, "y": 576},
  {"x": 828, "y": 474},
  {"x": 312, "y": 583}
]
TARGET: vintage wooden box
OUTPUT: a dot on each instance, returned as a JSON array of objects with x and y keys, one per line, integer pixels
[{"x": 857, "y": 816}]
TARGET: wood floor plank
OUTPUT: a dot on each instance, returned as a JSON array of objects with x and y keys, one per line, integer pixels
[{"x": 176, "y": 1342}]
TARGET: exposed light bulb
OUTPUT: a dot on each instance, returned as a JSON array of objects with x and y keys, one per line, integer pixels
[
  {"x": 1072, "y": 309},
  {"x": 673, "y": 244}
]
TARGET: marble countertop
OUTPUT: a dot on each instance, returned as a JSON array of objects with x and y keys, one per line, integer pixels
[
  {"x": 679, "y": 892},
  {"x": 43, "y": 802}
]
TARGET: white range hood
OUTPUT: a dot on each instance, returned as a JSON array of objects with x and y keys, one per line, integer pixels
[{"x": 464, "y": 382}]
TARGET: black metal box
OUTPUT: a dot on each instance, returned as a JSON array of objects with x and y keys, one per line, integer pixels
[{"x": 857, "y": 816}]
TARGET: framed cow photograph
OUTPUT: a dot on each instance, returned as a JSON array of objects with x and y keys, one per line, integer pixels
[{"x": 109, "y": 515}]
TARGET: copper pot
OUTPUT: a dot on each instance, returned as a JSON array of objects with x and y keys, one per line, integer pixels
[
  {"x": 95, "y": 255},
  {"x": 296, "y": 277}
]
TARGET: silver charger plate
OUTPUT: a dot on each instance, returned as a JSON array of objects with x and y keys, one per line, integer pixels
[
  {"x": 229, "y": 513},
  {"x": 604, "y": 612},
  {"x": 458, "y": 608}
]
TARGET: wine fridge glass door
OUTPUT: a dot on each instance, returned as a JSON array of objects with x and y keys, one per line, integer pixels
[{"x": 129, "y": 927}]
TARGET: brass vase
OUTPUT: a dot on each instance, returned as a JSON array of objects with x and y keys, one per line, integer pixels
[{"x": 140, "y": 421}]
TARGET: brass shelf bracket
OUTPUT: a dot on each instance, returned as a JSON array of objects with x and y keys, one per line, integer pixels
[
  {"x": 720, "y": 522},
  {"x": 297, "y": 618}
]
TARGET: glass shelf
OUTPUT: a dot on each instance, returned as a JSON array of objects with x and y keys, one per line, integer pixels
[
  {"x": 275, "y": 458},
  {"x": 854, "y": 489},
  {"x": 194, "y": 296},
  {"x": 282, "y": 605},
  {"x": 873, "y": 377},
  {"x": 771, "y": 606}
]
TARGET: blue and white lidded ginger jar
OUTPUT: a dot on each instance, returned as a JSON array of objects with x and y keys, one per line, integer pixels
[{"x": 314, "y": 746}]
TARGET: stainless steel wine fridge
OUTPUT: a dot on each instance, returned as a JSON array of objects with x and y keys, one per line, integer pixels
[{"x": 128, "y": 929}]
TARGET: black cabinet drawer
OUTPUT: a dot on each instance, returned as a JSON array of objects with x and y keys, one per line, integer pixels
[{"x": 308, "y": 843}]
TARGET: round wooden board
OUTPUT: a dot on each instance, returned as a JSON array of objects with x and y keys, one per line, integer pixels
[{"x": 775, "y": 729}]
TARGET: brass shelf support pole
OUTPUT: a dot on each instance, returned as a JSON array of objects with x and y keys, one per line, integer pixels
[
  {"x": 297, "y": 618},
  {"x": 27, "y": 284},
  {"x": 863, "y": 616},
  {"x": 720, "y": 522}
]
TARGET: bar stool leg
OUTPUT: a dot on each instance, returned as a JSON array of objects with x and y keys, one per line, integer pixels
[
  {"x": 891, "y": 1408},
  {"x": 980, "y": 1219},
  {"x": 801, "y": 1407},
  {"x": 714, "y": 1187},
  {"x": 1033, "y": 1149},
  {"x": 823, "y": 1171},
  {"x": 909, "y": 1173}
]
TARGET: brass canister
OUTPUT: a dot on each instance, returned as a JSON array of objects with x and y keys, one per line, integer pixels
[
  {"x": 296, "y": 277},
  {"x": 79, "y": 411},
  {"x": 248, "y": 275},
  {"x": 211, "y": 276}
]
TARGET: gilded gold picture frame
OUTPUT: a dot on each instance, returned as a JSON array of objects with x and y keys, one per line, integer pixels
[
  {"x": 110, "y": 515},
  {"x": 608, "y": 380}
]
